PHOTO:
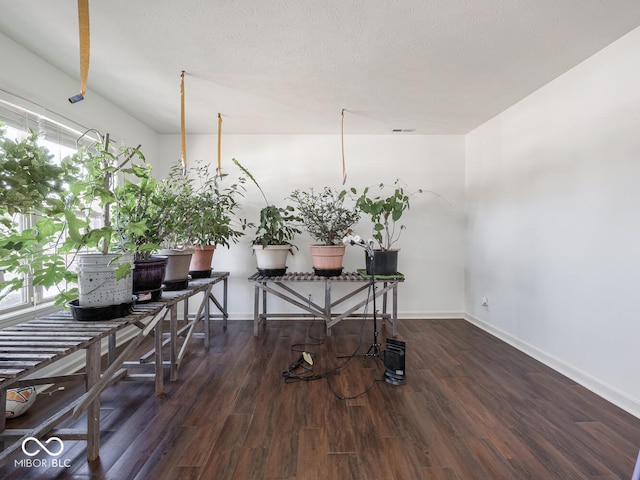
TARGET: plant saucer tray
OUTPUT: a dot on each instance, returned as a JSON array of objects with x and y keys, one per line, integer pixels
[
  {"x": 99, "y": 314},
  {"x": 363, "y": 273},
  {"x": 201, "y": 273}
]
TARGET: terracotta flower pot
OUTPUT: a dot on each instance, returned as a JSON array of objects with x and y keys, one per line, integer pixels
[
  {"x": 327, "y": 259},
  {"x": 200, "y": 265}
]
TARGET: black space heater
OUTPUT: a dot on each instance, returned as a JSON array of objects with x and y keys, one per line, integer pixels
[{"x": 394, "y": 362}]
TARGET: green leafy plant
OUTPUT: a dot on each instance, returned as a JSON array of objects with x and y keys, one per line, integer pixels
[
  {"x": 173, "y": 202},
  {"x": 97, "y": 194},
  {"x": 211, "y": 219},
  {"x": 385, "y": 210},
  {"x": 276, "y": 227},
  {"x": 324, "y": 214},
  {"x": 139, "y": 216},
  {"x": 29, "y": 180},
  {"x": 277, "y": 224},
  {"x": 33, "y": 198},
  {"x": 62, "y": 203}
]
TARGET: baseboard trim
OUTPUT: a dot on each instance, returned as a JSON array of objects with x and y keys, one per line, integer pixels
[
  {"x": 401, "y": 315},
  {"x": 598, "y": 387},
  {"x": 444, "y": 315}
]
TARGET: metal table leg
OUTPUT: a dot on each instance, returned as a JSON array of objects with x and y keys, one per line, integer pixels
[{"x": 93, "y": 409}]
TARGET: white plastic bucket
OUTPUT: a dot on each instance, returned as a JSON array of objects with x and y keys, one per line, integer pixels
[
  {"x": 97, "y": 284},
  {"x": 271, "y": 257}
]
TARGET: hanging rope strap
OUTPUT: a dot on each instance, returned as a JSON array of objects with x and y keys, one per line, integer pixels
[
  {"x": 344, "y": 165},
  {"x": 219, "y": 144},
  {"x": 83, "y": 22},
  {"x": 83, "y": 27},
  {"x": 183, "y": 132}
]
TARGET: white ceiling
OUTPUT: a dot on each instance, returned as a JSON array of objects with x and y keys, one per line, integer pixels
[{"x": 291, "y": 66}]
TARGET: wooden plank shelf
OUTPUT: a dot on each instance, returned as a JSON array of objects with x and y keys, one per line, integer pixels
[{"x": 29, "y": 346}]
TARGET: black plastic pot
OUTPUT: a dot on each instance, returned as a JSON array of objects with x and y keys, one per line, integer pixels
[
  {"x": 385, "y": 262},
  {"x": 148, "y": 275}
]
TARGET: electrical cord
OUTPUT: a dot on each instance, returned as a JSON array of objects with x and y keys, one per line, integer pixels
[
  {"x": 318, "y": 342},
  {"x": 292, "y": 375},
  {"x": 344, "y": 397}
]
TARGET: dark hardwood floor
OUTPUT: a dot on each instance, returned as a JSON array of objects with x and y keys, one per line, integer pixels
[{"x": 473, "y": 408}]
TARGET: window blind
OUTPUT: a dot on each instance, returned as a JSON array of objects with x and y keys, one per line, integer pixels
[{"x": 26, "y": 120}]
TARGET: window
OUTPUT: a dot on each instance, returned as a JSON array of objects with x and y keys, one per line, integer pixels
[{"x": 61, "y": 141}]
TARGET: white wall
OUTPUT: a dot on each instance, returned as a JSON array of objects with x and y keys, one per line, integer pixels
[
  {"x": 432, "y": 246},
  {"x": 39, "y": 86},
  {"x": 553, "y": 231}
]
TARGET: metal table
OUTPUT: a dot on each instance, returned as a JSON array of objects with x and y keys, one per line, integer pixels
[{"x": 284, "y": 287}]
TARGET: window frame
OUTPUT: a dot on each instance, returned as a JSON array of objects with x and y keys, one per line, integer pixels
[{"x": 60, "y": 133}]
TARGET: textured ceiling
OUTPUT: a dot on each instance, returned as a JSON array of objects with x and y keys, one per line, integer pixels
[{"x": 290, "y": 67}]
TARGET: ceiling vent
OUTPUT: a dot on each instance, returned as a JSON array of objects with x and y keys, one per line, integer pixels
[{"x": 403, "y": 130}]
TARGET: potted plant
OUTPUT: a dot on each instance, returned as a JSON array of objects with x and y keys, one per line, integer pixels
[
  {"x": 276, "y": 229},
  {"x": 211, "y": 220},
  {"x": 327, "y": 219},
  {"x": 138, "y": 222},
  {"x": 118, "y": 239},
  {"x": 172, "y": 198},
  {"x": 385, "y": 210}
]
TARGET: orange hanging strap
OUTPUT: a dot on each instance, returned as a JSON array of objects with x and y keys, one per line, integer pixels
[
  {"x": 183, "y": 132},
  {"x": 219, "y": 143},
  {"x": 344, "y": 165},
  {"x": 83, "y": 22}
]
